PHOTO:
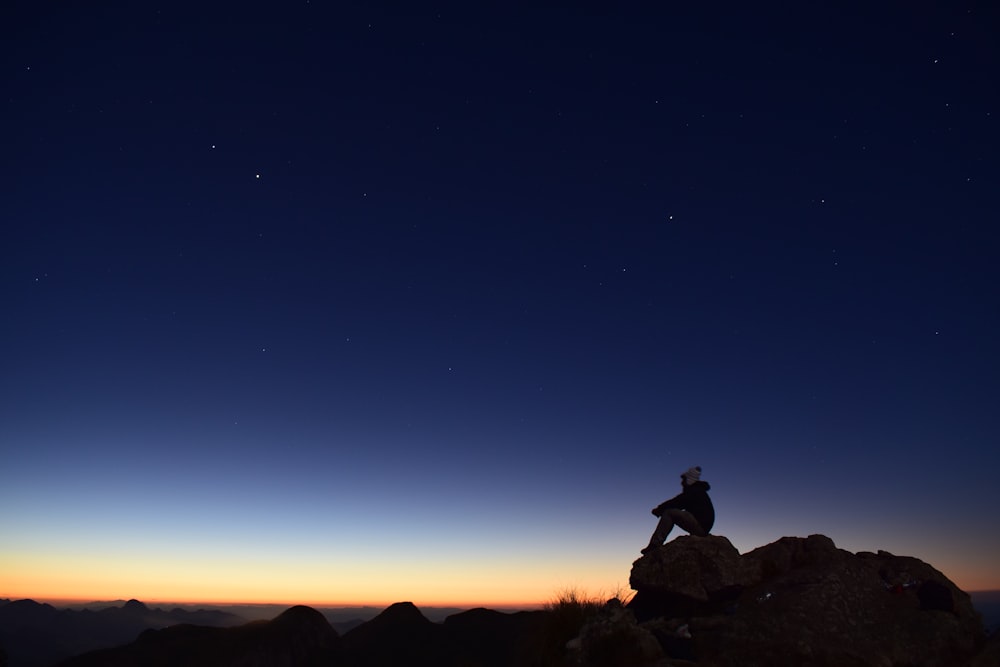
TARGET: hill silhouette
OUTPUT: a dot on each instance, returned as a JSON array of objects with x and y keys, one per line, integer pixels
[
  {"x": 299, "y": 636},
  {"x": 400, "y": 635},
  {"x": 37, "y": 634}
]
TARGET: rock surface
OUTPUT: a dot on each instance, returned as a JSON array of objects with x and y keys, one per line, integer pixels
[
  {"x": 693, "y": 570},
  {"x": 803, "y": 601}
]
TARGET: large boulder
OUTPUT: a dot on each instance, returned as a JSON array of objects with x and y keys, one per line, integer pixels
[
  {"x": 790, "y": 553},
  {"x": 804, "y": 601},
  {"x": 688, "y": 575}
]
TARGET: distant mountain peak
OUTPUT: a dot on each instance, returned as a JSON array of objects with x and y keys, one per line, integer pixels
[
  {"x": 403, "y": 612},
  {"x": 136, "y": 606},
  {"x": 302, "y": 616},
  {"x": 28, "y": 604}
]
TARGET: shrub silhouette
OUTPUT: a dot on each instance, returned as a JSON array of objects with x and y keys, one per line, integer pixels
[{"x": 565, "y": 615}]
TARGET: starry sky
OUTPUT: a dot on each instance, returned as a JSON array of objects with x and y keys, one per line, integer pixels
[{"x": 318, "y": 302}]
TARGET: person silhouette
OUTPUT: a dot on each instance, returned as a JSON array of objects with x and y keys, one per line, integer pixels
[{"x": 691, "y": 509}]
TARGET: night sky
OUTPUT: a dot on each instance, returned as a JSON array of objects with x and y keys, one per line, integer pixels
[{"x": 340, "y": 302}]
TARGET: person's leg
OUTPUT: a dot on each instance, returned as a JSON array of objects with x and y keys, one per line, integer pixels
[
  {"x": 686, "y": 520},
  {"x": 663, "y": 528},
  {"x": 682, "y": 518}
]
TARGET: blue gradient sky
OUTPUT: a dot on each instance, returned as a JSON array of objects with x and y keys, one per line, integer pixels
[{"x": 363, "y": 304}]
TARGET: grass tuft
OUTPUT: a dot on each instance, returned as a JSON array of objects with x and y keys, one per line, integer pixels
[{"x": 567, "y": 613}]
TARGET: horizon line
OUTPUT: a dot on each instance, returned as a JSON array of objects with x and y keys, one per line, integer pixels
[
  {"x": 525, "y": 606},
  {"x": 57, "y": 601}
]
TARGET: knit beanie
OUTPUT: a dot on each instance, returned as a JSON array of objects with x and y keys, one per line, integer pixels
[{"x": 692, "y": 475}]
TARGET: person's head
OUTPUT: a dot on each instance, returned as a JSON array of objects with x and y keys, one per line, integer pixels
[{"x": 690, "y": 476}]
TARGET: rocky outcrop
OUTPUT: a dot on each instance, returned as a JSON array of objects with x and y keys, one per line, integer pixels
[
  {"x": 689, "y": 573},
  {"x": 802, "y": 601}
]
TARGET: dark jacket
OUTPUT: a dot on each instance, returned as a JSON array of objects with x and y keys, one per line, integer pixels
[{"x": 694, "y": 498}]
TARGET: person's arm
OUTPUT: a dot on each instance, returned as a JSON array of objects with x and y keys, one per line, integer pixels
[{"x": 673, "y": 503}]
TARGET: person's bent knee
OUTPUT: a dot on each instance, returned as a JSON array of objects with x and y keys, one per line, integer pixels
[{"x": 688, "y": 522}]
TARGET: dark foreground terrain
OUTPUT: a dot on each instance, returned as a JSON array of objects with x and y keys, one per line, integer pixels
[{"x": 797, "y": 601}]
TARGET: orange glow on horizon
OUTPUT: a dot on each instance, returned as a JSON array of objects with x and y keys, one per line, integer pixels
[
  {"x": 156, "y": 582},
  {"x": 319, "y": 604},
  {"x": 153, "y": 597},
  {"x": 497, "y": 583}
]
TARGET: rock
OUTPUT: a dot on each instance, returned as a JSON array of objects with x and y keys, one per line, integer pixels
[
  {"x": 804, "y": 601},
  {"x": 688, "y": 575},
  {"x": 790, "y": 553}
]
